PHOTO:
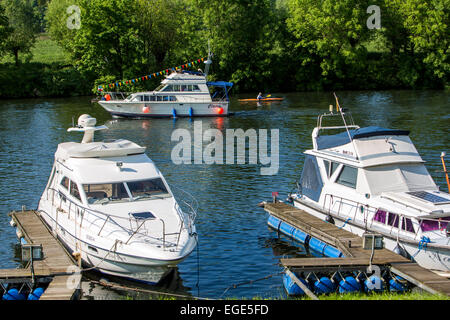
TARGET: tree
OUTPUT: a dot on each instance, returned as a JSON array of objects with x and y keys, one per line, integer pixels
[
  {"x": 4, "y": 28},
  {"x": 23, "y": 27},
  {"x": 330, "y": 33},
  {"x": 158, "y": 25}
]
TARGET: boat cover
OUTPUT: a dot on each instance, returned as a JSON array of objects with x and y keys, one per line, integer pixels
[
  {"x": 220, "y": 84},
  {"x": 340, "y": 139}
]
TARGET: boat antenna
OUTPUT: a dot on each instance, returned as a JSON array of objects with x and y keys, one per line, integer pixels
[
  {"x": 340, "y": 110},
  {"x": 208, "y": 62}
]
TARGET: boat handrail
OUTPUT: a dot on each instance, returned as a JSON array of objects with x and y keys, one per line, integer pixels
[
  {"x": 375, "y": 209},
  {"x": 106, "y": 217}
]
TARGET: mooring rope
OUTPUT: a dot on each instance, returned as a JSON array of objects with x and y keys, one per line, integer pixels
[
  {"x": 116, "y": 286},
  {"x": 234, "y": 286}
]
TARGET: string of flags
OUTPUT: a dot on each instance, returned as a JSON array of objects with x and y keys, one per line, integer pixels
[{"x": 149, "y": 76}]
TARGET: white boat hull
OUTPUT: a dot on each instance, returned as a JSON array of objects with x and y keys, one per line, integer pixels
[
  {"x": 106, "y": 256},
  {"x": 429, "y": 258},
  {"x": 165, "y": 109}
]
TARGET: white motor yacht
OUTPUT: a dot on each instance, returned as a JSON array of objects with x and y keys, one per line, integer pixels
[
  {"x": 373, "y": 179},
  {"x": 109, "y": 204},
  {"x": 181, "y": 94}
]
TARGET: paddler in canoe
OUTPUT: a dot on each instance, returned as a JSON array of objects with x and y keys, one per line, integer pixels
[{"x": 261, "y": 98}]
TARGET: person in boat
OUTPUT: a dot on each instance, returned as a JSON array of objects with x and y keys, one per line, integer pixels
[{"x": 259, "y": 97}]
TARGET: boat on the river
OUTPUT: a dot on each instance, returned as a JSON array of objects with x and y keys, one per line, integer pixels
[
  {"x": 181, "y": 94},
  {"x": 111, "y": 207},
  {"x": 373, "y": 179}
]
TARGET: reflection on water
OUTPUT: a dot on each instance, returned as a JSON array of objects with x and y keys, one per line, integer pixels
[{"x": 235, "y": 244}]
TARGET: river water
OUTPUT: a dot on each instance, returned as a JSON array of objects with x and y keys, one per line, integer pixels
[{"x": 236, "y": 247}]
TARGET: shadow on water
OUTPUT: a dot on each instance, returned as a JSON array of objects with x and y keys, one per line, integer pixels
[{"x": 235, "y": 244}]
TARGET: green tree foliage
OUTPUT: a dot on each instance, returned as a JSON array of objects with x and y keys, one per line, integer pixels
[
  {"x": 23, "y": 27},
  {"x": 4, "y": 28},
  {"x": 261, "y": 45}
]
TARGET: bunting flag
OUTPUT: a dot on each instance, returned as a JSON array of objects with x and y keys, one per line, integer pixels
[{"x": 120, "y": 83}]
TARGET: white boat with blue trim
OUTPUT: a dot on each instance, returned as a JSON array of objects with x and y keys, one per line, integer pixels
[
  {"x": 109, "y": 205},
  {"x": 374, "y": 180},
  {"x": 181, "y": 94}
]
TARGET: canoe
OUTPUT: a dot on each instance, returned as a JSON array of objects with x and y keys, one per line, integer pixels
[{"x": 261, "y": 100}]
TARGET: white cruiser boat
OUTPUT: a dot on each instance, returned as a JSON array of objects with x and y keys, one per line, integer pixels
[
  {"x": 373, "y": 180},
  {"x": 181, "y": 94},
  {"x": 111, "y": 206}
]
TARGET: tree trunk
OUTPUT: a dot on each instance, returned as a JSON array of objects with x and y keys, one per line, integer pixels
[{"x": 16, "y": 56}]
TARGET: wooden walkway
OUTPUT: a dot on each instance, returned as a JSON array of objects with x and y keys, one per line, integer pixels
[
  {"x": 57, "y": 262},
  {"x": 351, "y": 246}
]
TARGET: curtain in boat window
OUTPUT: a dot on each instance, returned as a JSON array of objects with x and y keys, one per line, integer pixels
[{"x": 311, "y": 182}]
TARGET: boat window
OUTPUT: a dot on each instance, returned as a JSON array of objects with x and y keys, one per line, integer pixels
[
  {"x": 183, "y": 87},
  {"x": 146, "y": 98},
  {"x": 74, "y": 190},
  {"x": 330, "y": 167},
  {"x": 393, "y": 219},
  {"x": 168, "y": 88},
  {"x": 311, "y": 181},
  {"x": 65, "y": 183},
  {"x": 103, "y": 193},
  {"x": 176, "y": 87},
  {"x": 172, "y": 98},
  {"x": 159, "y": 98},
  {"x": 432, "y": 225},
  {"x": 147, "y": 188},
  {"x": 380, "y": 216},
  {"x": 348, "y": 177},
  {"x": 327, "y": 167},
  {"x": 195, "y": 88},
  {"x": 165, "y": 98},
  {"x": 152, "y": 98},
  {"x": 407, "y": 225}
]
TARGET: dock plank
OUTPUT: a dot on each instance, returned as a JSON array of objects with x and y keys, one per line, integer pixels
[
  {"x": 56, "y": 260},
  {"x": 351, "y": 246}
]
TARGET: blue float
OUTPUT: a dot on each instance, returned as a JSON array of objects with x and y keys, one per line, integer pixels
[
  {"x": 174, "y": 113},
  {"x": 287, "y": 229},
  {"x": 191, "y": 112},
  {"x": 317, "y": 245},
  {"x": 291, "y": 287},
  {"x": 301, "y": 236},
  {"x": 332, "y": 252},
  {"x": 274, "y": 222},
  {"x": 349, "y": 284},
  {"x": 397, "y": 284},
  {"x": 373, "y": 284},
  {"x": 36, "y": 294},
  {"x": 13, "y": 294},
  {"x": 324, "y": 285}
]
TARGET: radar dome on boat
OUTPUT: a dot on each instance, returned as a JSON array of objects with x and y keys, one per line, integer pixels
[{"x": 86, "y": 120}]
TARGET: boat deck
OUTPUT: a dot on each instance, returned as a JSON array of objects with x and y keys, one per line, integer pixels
[
  {"x": 351, "y": 246},
  {"x": 57, "y": 263}
]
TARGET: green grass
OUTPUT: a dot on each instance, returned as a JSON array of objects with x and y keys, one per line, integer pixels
[
  {"x": 45, "y": 50},
  {"x": 381, "y": 296}
]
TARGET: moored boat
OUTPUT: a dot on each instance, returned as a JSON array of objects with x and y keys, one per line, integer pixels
[
  {"x": 109, "y": 204},
  {"x": 373, "y": 179}
]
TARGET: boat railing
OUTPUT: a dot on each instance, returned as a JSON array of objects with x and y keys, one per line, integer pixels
[
  {"x": 365, "y": 209},
  {"x": 80, "y": 211},
  {"x": 117, "y": 95}
]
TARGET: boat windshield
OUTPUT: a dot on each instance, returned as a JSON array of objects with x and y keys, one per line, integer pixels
[
  {"x": 153, "y": 188},
  {"x": 117, "y": 192},
  {"x": 105, "y": 192}
]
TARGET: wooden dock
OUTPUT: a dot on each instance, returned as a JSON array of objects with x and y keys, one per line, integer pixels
[
  {"x": 57, "y": 265},
  {"x": 351, "y": 246}
]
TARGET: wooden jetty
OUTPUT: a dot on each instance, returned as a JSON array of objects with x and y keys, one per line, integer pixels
[
  {"x": 351, "y": 245},
  {"x": 57, "y": 265}
]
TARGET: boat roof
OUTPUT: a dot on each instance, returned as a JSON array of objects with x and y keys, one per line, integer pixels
[
  {"x": 220, "y": 84},
  {"x": 101, "y": 149},
  {"x": 340, "y": 139},
  {"x": 365, "y": 147}
]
